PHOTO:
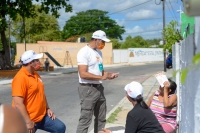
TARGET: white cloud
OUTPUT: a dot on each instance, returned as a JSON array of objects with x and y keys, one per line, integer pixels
[
  {"x": 141, "y": 14},
  {"x": 135, "y": 29},
  {"x": 81, "y": 5},
  {"x": 154, "y": 26},
  {"x": 126, "y": 10},
  {"x": 120, "y": 22}
]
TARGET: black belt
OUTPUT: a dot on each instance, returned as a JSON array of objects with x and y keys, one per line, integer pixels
[{"x": 94, "y": 85}]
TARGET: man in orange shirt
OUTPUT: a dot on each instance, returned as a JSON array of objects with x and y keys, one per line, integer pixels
[{"x": 28, "y": 96}]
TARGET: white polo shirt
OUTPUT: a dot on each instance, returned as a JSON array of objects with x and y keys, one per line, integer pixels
[{"x": 91, "y": 58}]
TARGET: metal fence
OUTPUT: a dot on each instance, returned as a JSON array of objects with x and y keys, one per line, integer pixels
[{"x": 188, "y": 92}]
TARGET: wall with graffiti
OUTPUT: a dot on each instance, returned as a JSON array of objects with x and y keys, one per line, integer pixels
[
  {"x": 133, "y": 55},
  {"x": 145, "y": 54}
]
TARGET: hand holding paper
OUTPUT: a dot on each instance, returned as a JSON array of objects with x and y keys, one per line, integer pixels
[{"x": 162, "y": 78}]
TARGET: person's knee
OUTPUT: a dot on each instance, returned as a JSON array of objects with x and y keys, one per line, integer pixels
[{"x": 61, "y": 128}]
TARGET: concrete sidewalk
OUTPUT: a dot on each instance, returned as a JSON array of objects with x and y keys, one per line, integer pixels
[
  {"x": 150, "y": 86},
  {"x": 66, "y": 70}
]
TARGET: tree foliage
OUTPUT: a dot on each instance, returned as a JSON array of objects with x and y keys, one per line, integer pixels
[
  {"x": 135, "y": 42},
  {"x": 42, "y": 27},
  {"x": 90, "y": 21},
  {"x": 24, "y": 8},
  {"x": 171, "y": 35},
  {"x": 155, "y": 41},
  {"x": 116, "y": 44}
]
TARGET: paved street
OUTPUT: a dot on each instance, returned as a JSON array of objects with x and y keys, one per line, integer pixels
[{"x": 62, "y": 94}]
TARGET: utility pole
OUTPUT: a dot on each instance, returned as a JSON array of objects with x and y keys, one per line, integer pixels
[
  {"x": 24, "y": 31},
  {"x": 9, "y": 24},
  {"x": 163, "y": 1}
]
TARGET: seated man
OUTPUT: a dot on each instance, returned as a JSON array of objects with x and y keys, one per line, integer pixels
[
  {"x": 28, "y": 96},
  {"x": 140, "y": 118}
]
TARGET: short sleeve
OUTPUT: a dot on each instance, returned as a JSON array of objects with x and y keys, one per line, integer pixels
[
  {"x": 82, "y": 57},
  {"x": 19, "y": 86}
]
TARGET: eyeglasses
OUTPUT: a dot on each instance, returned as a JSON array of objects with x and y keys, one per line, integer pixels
[
  {"x": 36, "y": 60},
  {"x": 101, "y": 40}
]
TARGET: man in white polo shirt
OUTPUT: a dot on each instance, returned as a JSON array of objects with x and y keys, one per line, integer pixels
[{"x": 91, "y": 91}]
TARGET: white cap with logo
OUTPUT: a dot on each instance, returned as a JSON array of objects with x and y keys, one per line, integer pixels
[
  {"x": 99, "y": 34},
  {"x": 29, "y": 56},
  {"x": 134, "y": 89}
]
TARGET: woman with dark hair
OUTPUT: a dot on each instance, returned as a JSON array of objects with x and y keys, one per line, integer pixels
[
  {"x": 164, "y": 105},
  {"x": 140, "y": 119}
]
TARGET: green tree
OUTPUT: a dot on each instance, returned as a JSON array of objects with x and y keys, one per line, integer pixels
[
  {"x": 116, "y": 44},
  {"x": 136, "y": 42},
  {"x": 42, "y": 27},
  {"x": 171, "y": 35},
  {"x": 24, "y": 8},
  {"x": 90, "y": 21},
  {"x": 155, "y": 41}
]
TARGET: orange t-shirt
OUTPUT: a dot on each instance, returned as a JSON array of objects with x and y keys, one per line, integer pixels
[{"x": 31, "y": 88}]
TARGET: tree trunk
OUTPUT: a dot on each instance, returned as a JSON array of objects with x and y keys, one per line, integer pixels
[{"x": 5, "y": 55}]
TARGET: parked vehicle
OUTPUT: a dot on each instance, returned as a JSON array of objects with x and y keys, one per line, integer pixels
[{"x": 169, "y": 61}]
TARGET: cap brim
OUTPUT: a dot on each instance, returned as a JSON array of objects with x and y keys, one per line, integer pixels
[
  {"x": 106, "y": 39},
  {"x": 38, "y": 56}
]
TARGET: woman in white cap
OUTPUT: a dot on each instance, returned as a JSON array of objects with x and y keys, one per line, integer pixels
[{"x": 140, "y": 119}]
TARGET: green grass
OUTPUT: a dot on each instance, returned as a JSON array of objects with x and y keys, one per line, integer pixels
[{"x": 112, "y": 117}]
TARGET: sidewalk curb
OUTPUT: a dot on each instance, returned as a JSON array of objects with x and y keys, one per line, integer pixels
[
  {"x": 116, "y": 106},
  {"x": 9, "y": 81},
  {"x": 119, "y": 104},
  {"x": 5, "y": 82}
]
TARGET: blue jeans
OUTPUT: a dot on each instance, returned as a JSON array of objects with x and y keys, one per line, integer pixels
[{"x": 49, "y": 125}]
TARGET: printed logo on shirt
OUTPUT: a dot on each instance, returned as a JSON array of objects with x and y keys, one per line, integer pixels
[{"x": 97, "y": 58}]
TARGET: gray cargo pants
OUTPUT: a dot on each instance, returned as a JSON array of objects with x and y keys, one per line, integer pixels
[{"x": 92, "y": 100}]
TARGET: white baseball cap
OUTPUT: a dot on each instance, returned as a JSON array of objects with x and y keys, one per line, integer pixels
[
  {"x": 134, "y": 89},
  {"x": 30, "y": 55},
  {"x": 99, "y": 34}
]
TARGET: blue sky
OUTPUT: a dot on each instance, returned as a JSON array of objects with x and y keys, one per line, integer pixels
[{"x": 139, "y": 17}]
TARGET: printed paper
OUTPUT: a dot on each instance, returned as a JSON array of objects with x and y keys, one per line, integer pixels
[{"x": 161, "y": 77}]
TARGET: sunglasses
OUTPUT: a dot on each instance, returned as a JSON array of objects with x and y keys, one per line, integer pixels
[{"x": 36, "y": 60}]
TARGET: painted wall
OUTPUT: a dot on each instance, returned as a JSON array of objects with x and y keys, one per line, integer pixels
[
  {"x": 145, "y": 54},
  {"x": 189, "y": 91},
  {"x": 58, "y": 51},
  {"x": 185, "y": 20},
  {"x": 120, "y": 56}
]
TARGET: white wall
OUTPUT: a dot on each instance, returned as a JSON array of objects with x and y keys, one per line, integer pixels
[
  {"x": 145, "y": 54},
  {"x": 120, "y": 56},
  {"x": 189, "y": 92}
]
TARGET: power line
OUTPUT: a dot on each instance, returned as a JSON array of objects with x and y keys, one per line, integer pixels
[
  {"x": 172, "y": 10},
  {"x": 142, "y": 32},
  {"x": 157, "y": 3},
  {"x": 30, "y": 23},
  {"x": 129, "y": 8},
  {"x": 146, "y": 19}
]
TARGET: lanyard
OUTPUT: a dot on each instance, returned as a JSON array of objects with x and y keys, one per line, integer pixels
[{"x": 100, "y": 61}]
